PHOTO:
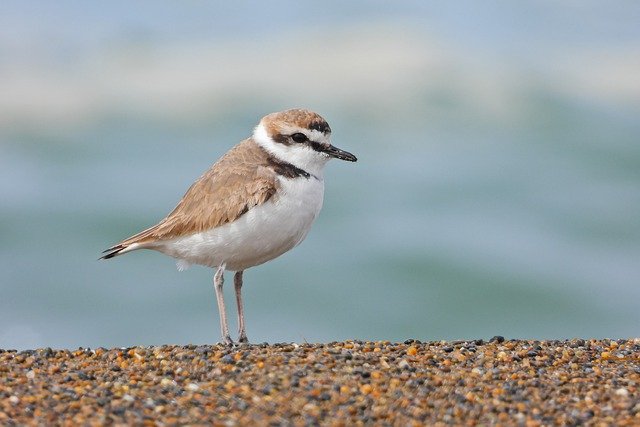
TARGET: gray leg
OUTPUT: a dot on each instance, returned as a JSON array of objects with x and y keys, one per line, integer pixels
[
  {"x": 237, "y": 281},
  {"x": 218, "y": 281}
]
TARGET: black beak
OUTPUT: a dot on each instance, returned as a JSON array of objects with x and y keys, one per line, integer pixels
[{"x": 339, "y": 154}]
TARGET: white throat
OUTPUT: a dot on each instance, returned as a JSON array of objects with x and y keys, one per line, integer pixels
[{"x": 301, "y": 156}]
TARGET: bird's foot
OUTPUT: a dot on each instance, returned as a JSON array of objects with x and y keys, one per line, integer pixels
[
  {"x": 242, "y": 339},
  {"x": 226, "y": 340}
]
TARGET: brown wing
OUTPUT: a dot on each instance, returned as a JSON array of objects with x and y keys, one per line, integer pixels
[{"x": 234, "y": 184}]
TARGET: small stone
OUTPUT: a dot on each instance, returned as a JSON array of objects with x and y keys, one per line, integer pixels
[
  {"x": 192, "y": 387},
  {"x": 622, "y": 392},
  {"x": 167, "y": 382},
  {"x": 201, "y": 349},
  {"x": 46, "y": 352},
  {"x": 14, "y": 400},
  {"x": 477, "y": 371},
  {"x": 366, "y": 388}
]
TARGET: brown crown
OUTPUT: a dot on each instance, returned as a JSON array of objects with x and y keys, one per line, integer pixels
[{"x": 275, "y": 123}]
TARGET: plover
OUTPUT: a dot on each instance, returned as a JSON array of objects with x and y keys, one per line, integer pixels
[{"x": 255, "y": 203}]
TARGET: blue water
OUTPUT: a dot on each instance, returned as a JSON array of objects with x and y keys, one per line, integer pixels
[{"x": 497, "y": 189}]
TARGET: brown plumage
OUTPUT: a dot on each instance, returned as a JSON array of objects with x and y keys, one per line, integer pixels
[{"x": 217, "y": 198}]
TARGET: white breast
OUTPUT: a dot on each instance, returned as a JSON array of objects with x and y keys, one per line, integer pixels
[{"x": 262, "y": 234}]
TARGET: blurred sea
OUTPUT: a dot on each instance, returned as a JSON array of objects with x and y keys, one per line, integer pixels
[{"x": 497, "y": 189}]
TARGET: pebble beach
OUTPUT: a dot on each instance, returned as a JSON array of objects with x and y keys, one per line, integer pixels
[{"x": 494, "y": 382}]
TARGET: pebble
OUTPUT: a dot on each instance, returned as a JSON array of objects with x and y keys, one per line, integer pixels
[
  {"x": 404, "y": 364},
  {"x": 473, "y": 382},
  {"x": 622, "y": 392},
  {"x": 192, "y": 387}
]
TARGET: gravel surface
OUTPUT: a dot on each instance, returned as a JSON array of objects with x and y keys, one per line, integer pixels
[{"x": 530, "y": 383}]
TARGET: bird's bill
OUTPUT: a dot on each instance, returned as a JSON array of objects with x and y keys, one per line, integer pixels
[{"x": 340, "y": 154}]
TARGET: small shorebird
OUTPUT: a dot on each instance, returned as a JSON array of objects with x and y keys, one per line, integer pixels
[{"x": 255, "y": 203}]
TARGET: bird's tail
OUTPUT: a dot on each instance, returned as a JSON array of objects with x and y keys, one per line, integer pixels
[
  {"x": 141, "y": 240},
  {"x": 118, "y": 249}
]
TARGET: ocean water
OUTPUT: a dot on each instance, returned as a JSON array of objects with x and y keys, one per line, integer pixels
[{"x": 497, "y": 190}]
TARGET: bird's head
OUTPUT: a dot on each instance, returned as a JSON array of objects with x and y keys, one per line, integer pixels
[{"x": 300, "y": 137}]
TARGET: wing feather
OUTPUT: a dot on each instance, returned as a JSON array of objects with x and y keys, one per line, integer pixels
[{"x": 236, "y": 183}]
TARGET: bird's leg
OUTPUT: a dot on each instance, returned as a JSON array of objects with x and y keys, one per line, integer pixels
[
  {"x": 237, "y": 281},
  {"x": 218, "y": 281}
]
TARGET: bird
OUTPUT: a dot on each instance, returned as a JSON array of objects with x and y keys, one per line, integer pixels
[{"x": 255, "y": 203}]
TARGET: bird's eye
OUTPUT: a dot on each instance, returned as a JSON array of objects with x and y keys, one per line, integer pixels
[{"x": 299, "y": 137}]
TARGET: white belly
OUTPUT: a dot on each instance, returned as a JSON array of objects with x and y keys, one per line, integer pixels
[{"x": 262, "y": 234}]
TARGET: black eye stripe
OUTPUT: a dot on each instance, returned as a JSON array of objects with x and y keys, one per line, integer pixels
[{"x": 317, "y": 146}]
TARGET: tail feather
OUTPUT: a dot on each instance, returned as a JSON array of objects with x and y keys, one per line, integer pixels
[
  {"x": 134, "y": 242},
  {"x": 120, "y": 249},
  {"x": 112, "y": 251}
]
